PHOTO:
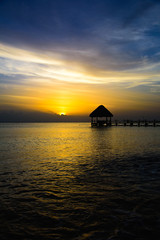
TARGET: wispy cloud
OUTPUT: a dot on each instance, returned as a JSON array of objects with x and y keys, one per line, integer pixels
[
  {"x": 142, "y": 7},
  {"x": 30, "y": 65},
  {"x": 62, "y": 51}
]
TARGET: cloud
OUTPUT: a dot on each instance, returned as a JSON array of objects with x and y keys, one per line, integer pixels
[
  {"x": 61, "y": 53},
  {"x": 9, "y": 113},
  {"x": 56, "y": 32},
  {"x": 139, "y": 11},
  {"x": 29, "y": 67}
]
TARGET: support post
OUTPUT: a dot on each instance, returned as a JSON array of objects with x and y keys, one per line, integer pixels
[
  {"x": 146, "y": 124},
  {"x": 154, "y": 123}
]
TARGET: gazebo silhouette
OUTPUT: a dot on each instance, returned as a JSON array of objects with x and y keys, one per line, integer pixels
[{"x": 101, "y": 116}]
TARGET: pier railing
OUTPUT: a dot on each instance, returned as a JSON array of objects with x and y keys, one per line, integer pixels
[
  {"x": 125, "y": 123},
  {"x": 139, "y": 123}
]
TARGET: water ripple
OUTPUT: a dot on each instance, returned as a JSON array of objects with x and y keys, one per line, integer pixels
[{"x": 68, "y": 181}]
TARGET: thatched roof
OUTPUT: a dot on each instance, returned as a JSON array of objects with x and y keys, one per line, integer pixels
[{"x": 101, "y": 111}]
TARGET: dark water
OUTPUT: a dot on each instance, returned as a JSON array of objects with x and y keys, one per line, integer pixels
[{"x": 70, "y": 181}]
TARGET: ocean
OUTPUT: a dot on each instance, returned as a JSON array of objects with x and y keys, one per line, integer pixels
[{"x": 70, "y": 181}]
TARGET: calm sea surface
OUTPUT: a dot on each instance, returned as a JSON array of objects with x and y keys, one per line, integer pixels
[{"x": 70, "y": 181}]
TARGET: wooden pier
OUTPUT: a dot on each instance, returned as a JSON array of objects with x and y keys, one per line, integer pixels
[
  {"x": 102, "y": 117},
  {"x": 139, "y": 123}
]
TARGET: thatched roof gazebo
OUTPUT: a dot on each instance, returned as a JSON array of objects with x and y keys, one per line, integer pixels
[{"x": 101, "y": 116}]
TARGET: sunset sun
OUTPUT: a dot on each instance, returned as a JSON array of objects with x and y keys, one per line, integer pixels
[{"x": 62, "y": 114}]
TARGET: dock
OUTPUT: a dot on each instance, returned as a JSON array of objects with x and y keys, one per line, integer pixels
[
  {"x": 127, "y": 123},
  {"x": 139, "y": 123}
]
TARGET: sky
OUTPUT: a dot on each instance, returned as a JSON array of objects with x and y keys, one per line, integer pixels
[{"x": 67, "y": 57}]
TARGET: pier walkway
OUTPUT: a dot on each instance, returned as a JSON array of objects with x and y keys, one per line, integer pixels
[{"x": 125, "y": 123}]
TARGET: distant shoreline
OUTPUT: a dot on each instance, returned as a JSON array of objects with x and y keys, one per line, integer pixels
[{"x": 46, "y": 122}]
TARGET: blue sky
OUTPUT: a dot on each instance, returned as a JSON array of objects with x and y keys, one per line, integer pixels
[{"x": 80, "y": 49}]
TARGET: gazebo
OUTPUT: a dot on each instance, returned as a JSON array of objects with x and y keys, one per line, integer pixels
[{"x": 101, "y": 116}]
